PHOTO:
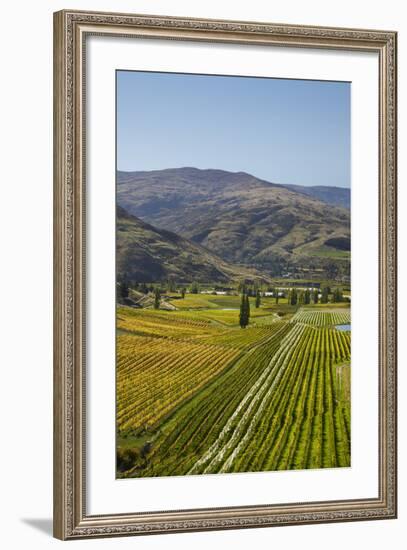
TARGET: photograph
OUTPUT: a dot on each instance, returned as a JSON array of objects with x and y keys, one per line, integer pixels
[
  {"x": 233, "y": 274},
  {"x": 225, "y": 273}
]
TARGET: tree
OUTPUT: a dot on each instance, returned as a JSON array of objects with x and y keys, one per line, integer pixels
[
  {"x": 307, "y": 296},
  {"x": 315, "y": 296},
  {"x": 276, "y": 294},
  {"x": 157, "y": 298},
  {"x": 301, "y": 297},
  {"x": 171, "y": 284},
  {"x": 272, "y": 290},
  {"x": 143, "y": 288},
  {"x": 293, "y": 297},
  {"x": 241, "y": 286},
  {"x": 146, "y": 448},
  {"x": 325, "y": 295},
  {"x": 332, "y": 270},
  {"x": 258, "y": 299},
  {"x": 123, "y": 290},
  {"x": 338, "y": 296},
  {"x": 244, "y": 314},
  {"x": 126, "y": 459},
  {"x": 194, "y": 288},
  {"x": 182, "y": 293}
]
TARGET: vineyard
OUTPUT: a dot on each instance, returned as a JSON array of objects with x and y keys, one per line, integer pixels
[
  {"x": 197, "y": 395},
  {"x": 322, "y": 318}
]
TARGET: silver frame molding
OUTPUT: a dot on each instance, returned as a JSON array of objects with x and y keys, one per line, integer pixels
[{"x": 70, "y": 31}]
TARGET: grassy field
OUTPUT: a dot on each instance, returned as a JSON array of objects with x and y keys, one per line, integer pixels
[{"x": 197, "y": 394}]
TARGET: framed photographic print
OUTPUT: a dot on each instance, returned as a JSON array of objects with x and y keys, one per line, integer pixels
[{"x": 225, "y": 274}]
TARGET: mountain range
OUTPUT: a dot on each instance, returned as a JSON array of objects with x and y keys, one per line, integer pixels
[{"x": 240, "y": 220}]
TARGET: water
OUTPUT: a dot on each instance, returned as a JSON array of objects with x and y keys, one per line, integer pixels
[{"x": 343, "y": 327}]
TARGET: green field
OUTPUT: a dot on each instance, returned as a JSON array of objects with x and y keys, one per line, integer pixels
[{"x": 197, "y": 394}]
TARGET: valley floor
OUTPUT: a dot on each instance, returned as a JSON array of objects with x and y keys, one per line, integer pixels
[{"x": 196, "y": 394}]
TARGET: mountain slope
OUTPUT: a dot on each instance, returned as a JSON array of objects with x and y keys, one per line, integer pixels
[
  {"x": 336, "y": 196},
  {"x": 147, "y": 254},
  {"x": 241, "y": 218}
]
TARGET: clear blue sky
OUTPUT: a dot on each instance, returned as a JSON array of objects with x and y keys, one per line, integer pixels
[{"x": 284, "y": 131}]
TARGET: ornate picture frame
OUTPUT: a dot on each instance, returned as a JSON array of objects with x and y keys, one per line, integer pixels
[{"x": 71, "y": 519}]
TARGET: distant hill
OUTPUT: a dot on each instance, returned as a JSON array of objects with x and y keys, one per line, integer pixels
[
  {"x": 147, "y": 254},
  {"x": 337, "y": 196},
  {"x": 240, "y": 218}
]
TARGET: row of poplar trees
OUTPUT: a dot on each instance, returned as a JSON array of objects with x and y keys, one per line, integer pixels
[
  {"x": 305, "y": 297},
  {"x": 244, "y": 315}
]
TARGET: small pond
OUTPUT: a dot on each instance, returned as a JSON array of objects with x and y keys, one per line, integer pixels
[{"x": 343, "y": 327}]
